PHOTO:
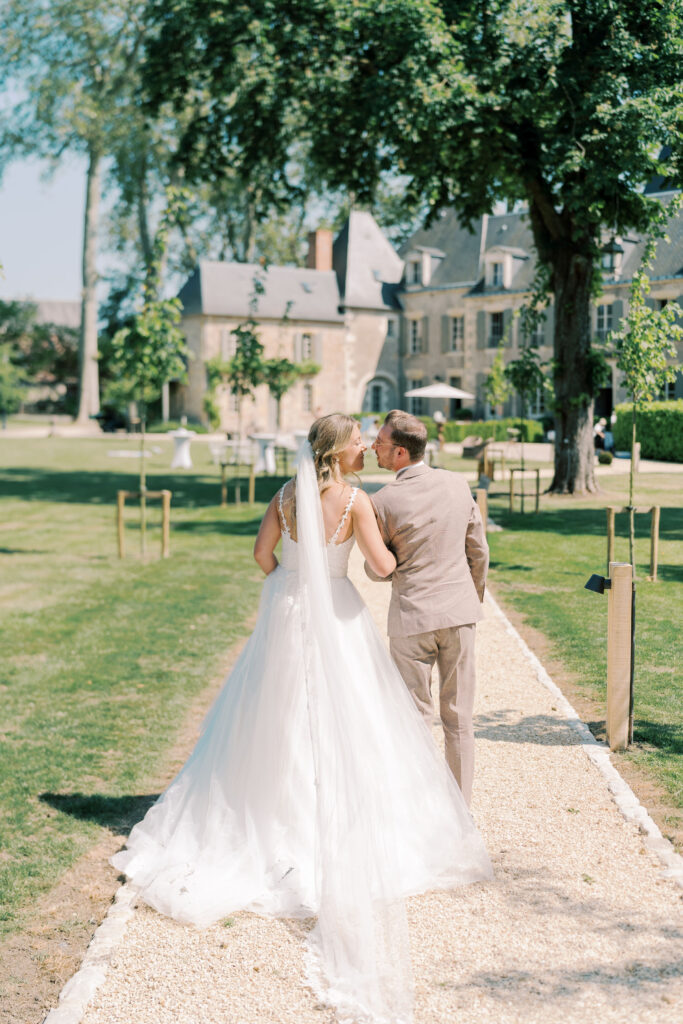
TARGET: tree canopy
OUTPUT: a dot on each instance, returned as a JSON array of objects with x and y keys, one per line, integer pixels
[{"x": 569, "y": 106}]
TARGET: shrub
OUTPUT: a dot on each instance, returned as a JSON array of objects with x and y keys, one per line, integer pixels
[
  {"x": 532, "y": 430},
  {"x": 158, "y": 427},
  {"x": 659, "y": 428},
  {"x": 605, "y": 458}
]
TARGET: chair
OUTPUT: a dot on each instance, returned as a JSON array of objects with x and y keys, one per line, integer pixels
[{"x": 473, "y": 445}]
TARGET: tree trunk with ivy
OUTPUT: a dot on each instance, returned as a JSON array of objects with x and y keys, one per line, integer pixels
[{"x": 573, "y": 376}]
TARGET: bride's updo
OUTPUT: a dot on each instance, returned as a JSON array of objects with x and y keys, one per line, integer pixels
[{"x": 328, "y": 436}]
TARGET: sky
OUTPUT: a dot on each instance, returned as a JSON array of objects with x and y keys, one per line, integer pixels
[{"x": 41, "y": 225}]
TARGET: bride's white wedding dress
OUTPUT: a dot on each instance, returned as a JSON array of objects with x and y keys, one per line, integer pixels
[{"x": 315, "y": 789}]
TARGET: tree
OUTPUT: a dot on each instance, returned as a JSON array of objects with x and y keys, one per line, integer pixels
[
  {"x": 152, "y": 350},
  {"x": 241, "y": 374},
  {"x": 646, "y": 353},
  {"x": 562, "y": 104},
  {"x": 74, "y": 67},
  {"x": 497, "y": 386},
  {"x": 526, "y": 376},
  {"x": 16, "y": 321}
]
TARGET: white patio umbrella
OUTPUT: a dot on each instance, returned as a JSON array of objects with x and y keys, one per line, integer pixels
[{"x": 438, "y": 390}]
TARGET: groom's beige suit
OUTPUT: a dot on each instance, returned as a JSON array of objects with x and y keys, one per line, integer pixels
[{"x": 433, "y": 526}]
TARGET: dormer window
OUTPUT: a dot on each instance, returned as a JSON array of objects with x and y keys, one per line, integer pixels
[
  {"x": 497, "y": 275},
  {"x": 415, "y": 272}
]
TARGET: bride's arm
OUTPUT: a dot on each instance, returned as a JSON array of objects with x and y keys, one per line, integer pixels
[
  {"x": 267, "y": 538},
  {"x": 365, "y": 527}
]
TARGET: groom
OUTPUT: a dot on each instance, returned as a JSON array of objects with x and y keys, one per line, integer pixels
[{"x": 431, "y": 523}]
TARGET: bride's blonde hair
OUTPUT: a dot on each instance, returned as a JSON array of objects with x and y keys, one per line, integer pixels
[{"x": 328, "y": 436}]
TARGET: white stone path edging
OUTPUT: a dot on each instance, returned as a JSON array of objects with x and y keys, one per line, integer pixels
[
  {"x": 82, "y": 987},
  {"x": 623, "y": 795}
]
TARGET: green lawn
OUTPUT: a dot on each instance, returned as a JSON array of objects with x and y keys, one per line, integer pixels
[
  {"x": 102, "y": 658},
  {"x": 539, "y": 566}
]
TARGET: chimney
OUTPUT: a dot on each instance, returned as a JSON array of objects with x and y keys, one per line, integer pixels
[{"x": 319, "y": 250}]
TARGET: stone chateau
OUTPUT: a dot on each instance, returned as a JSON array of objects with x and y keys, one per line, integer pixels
[{"x": 379, "y": 322}]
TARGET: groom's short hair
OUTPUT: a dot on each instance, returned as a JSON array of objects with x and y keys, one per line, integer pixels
[{"x": 407, "y": 431}]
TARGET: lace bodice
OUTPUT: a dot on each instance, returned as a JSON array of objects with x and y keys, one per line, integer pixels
[{"x": 337, "y": 554}]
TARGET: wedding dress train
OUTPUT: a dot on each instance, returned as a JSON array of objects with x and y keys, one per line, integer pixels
[{"x": 315, "y": 788}]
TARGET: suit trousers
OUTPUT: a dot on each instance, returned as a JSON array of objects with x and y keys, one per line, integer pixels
[{"x": 452, "y": 649}]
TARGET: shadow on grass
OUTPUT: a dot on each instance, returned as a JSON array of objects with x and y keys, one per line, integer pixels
[
  {"x": 100, "y": 487},
  {"x": 246, "y": 528},
  {"x": 670, "y": 573},
  {"x": 117, "y": 813},
  {"x": 512, "y": 568},
  {"x": 588, "y": 522},
  {"x": 668, "y": 739}
]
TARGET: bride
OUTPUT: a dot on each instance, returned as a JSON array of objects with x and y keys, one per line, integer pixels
[{"x": 315, "y": 788}]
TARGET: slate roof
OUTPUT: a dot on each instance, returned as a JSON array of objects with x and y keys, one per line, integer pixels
[
  {"x": 511, "y": 232},
  {"x": 369, "y": 269},
  {"x": 216, "y": 288},
  {"x": 54, "y": 311}
]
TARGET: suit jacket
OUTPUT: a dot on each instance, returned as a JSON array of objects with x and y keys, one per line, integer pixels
[{"x": 430, "y": 521}]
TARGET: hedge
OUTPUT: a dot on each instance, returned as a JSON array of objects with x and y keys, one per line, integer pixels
[
  {"x": 659, "y": 428},
  {"x": 532, "y": 430},
  {"x": 457, "y": 430}
]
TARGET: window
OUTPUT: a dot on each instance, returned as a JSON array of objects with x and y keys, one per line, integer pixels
[
  {"x": 391, "y": 328},
  {"x": 228, "y": 344},
  {"x": 604, "y": 321},
  {"x": 416, "y": 405},
  {"x": 497, "y": 329},
  {"x": 415, "y": 340},
  {"x": 415, "y": 272},
  {"x": 668, "y": 392},
  {"x": 497, "y": 275},
  {"x": 661, "y": 303},
  {"x": 538, "y": 337},
  {"x": 376, "y": 396},
  {"x": 306, "y": 347},
  {"x": 537, "y": 403},
  {"x": 457, "y": 332},
  {"x": 307, "y": 398},
  {"x": 455, "y": 403}
]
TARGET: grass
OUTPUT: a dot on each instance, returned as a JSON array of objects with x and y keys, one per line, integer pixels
[
  {"x": 540, "y": 563},
  {"x": 102, "y": 658}
]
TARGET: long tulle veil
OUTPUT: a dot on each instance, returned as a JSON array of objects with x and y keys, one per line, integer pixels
[{"x": 359, "y": 954}]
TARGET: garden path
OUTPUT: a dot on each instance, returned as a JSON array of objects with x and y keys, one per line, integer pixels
[{"x": 580, "y": 922}]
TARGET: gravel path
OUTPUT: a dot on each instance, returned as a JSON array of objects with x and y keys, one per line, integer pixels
[{"x": 578, "y": 925}]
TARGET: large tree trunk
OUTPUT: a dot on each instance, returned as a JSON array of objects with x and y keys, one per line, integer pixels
[
  {"x": 573, "y": 375},
  {"x": 89, "y": 382}
]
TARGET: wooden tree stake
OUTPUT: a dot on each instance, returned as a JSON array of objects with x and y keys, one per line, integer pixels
[
  {"x": 483, "y": 503},
  {"x": 611, "y": 511},
  {"x": 619, "y": 622},
  {"x": 165, "y": 523},
  {"x": 654, "y": 542},
  {"x": 120, "y": 501}
]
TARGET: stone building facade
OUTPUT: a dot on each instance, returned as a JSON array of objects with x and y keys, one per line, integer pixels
[
  {"x": 380, "y": 323},
  {"x": 340, "y": 312},
  {"x": 462, "y": 292}
]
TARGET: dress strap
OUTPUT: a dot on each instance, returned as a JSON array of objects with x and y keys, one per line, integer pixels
[
  {"x": 281, "y": 511},
  {"x": 345, "y": 516}
]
